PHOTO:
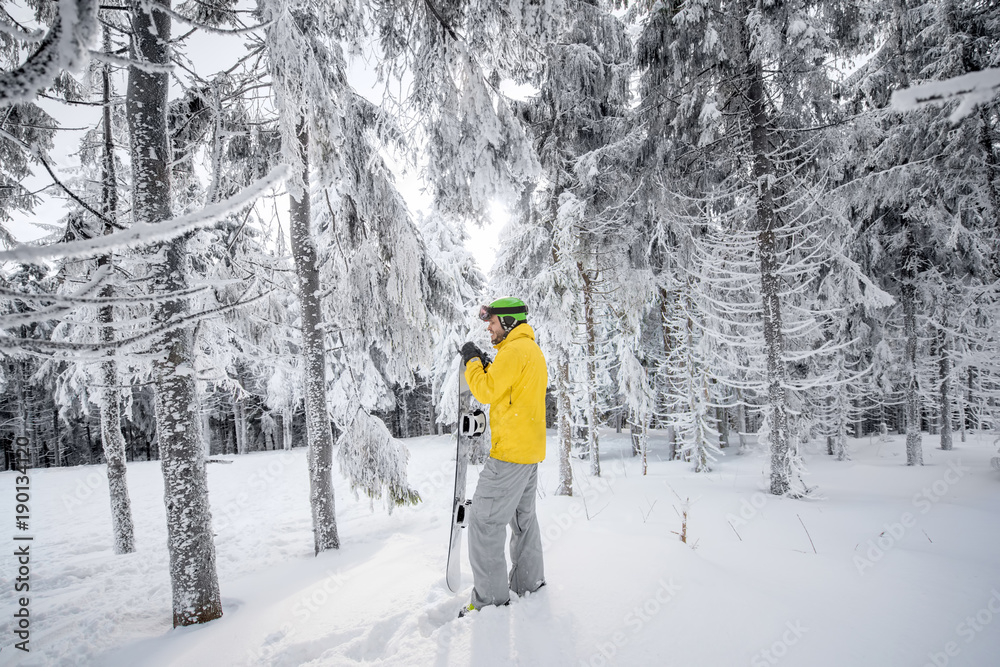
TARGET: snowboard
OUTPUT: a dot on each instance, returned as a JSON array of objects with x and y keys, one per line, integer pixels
[{"x": 470, "y": 425}]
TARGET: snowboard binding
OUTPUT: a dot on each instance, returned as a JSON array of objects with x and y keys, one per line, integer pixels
[{"x": 472, "y": 424}]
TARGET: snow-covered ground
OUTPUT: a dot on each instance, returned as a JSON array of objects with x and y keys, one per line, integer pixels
[{"x": 906, "y": 568}]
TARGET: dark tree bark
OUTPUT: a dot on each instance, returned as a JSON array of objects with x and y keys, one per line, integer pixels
[
  {"x": 992, "y": 173},
  {"x": 593, "y": 443},
  {"x": 914, "y": 441},
  {"x": 193, "y": 576},
  {"x": 944, "y": 373},
  {"x": 770, "y": 286}
]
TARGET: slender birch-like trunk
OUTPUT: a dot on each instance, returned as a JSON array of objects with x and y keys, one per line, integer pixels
[
  {"x": 914, "y": 442},
  {"x": 565, "y": 428},
  {"x": 193, "y": 576},
  {"x": 321, "y": 497},
  {"x": 206, "y": 420},
  {"x": 112, "y": 438},
  {"x": 741, "y": 421},
  {"x": 286, "y": 429},
  {"x": 590, "y": 392},
  {"x": 944, "y": 395},
  {"x": 240, "y": 424}
]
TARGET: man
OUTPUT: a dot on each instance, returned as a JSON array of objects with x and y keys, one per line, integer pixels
[{"x": 514, "y": 387}]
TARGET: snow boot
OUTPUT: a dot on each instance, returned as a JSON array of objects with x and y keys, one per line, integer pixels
[{"x": 465, "y": 611}]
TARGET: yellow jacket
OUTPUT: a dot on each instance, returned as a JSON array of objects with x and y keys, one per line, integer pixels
[{"x": 514, "y": 387}]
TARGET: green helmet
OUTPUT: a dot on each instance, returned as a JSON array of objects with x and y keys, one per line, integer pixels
[{"x": 509, "y": 310}]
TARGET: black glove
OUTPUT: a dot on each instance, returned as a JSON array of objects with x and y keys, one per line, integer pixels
[{"x": 470, "y": 351}]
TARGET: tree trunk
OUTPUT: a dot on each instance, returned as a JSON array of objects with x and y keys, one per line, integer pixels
[
  {"x": 286, "y": 429},
  {"x": 967, "y": 412},
  {"x": 324, "y": 517},
  {"x": 404, "y": 417},
  {"x": 590, "y": 392},
  {"x": 944, "y": 368},
  {"x": 565, "y": 428},
  {"x": 696, "y": 391},
  {"x": 205, "y": 413},
  {"x": 56, "y": 444},
  {"x": 770, "y": 287},
  {"x": 840, "y": 437},
  {"x": 933, "y": 418},
  {"x": 829, "y": 417},
  {"x": 114, "y": 452},
  {"x": 193, "y": 575},
  {"x": 230, "y": 446},
  {"x": 962, "y": 416},
  {"x": 722, "y": 416},
  {"x": 669, "y": 389},
  {"x": 112, "y": 437},
  {"x": 645, "y": 450},
  {"x": 741, "y": 421},
  {"x": 240, "y": 421},
  {"x": 914, "y": 446},
  {"x": 22, "y": 418}
]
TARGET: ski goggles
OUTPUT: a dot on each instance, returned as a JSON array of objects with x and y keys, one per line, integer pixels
[{"x": 485, "y": 312}]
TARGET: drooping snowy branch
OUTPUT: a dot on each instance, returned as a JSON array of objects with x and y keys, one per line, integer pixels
[
  {"x": 970, "y": 90},
  {"x": 98, "y": 351},
  {"x": 374, "y": 461},
  {"x": 50, "y": 312},
  {"x": 145, "y": 234},
  {"x": 78, "y": 299}
]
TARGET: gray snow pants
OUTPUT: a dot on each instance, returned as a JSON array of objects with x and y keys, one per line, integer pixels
[{"x": 505, "y": 495}]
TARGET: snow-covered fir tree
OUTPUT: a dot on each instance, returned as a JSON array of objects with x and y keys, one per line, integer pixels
[
  {"x": 922, "y": 194},
  {"x": 730, "y": 93},
  {"x": 562, "y": 254}
]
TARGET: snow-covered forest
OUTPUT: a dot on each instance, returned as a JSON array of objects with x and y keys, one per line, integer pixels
[{"x": 741, "y": 228}]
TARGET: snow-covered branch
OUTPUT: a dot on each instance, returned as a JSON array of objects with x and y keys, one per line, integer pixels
[
  {"x": 48, "y": 313},
  {"x": 144, "y": 234},
  {"x": 148, "y": 67},
  {"x": 177, "y": 16},
  {"x": 21, "y": 34},
  {"x": 970, "y": 90},
  {"x": 79, "y": 300},
  {"x": 98, "y": 351},
  {"x": 65, "y": 47}
]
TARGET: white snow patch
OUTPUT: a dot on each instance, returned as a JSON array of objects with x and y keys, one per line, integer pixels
[{"x": 904, "y": 557}]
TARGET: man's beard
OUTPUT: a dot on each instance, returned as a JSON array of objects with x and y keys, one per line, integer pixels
[{"x": 497, "y": 339}]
